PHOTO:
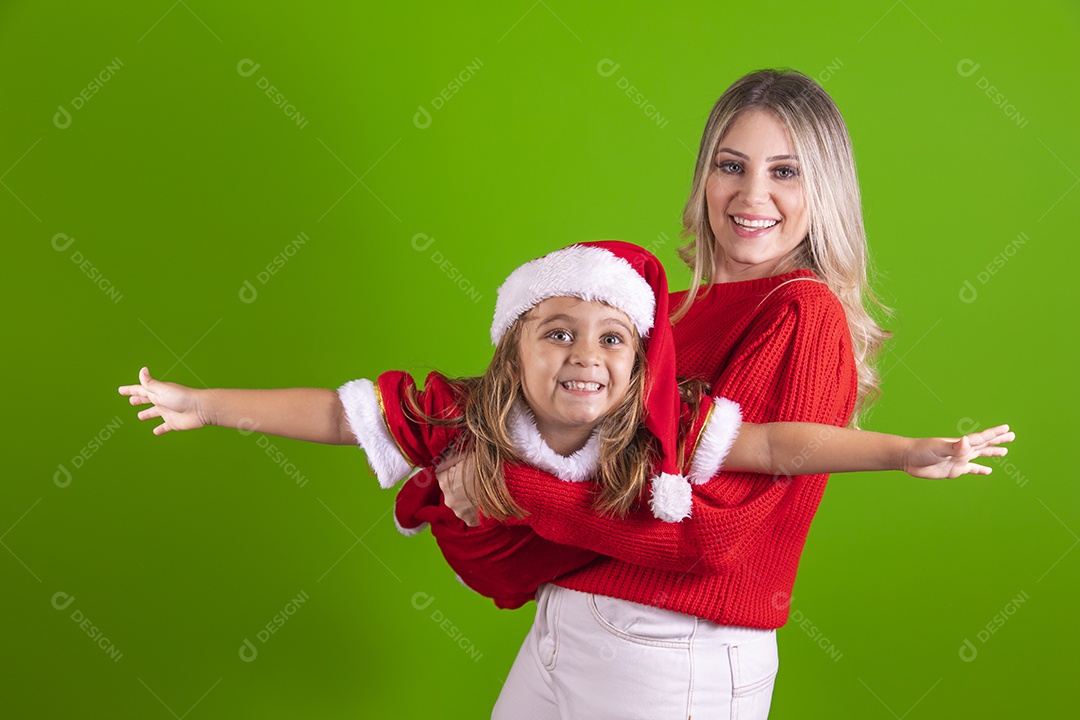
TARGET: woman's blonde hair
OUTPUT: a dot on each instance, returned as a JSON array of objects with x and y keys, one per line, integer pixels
[
  {"x": 627, "y": 449},
  {"x": 835, "y": 245}
]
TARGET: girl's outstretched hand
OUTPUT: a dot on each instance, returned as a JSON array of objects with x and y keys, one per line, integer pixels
[
  {"x": 179, "y": 406},
  {"x": 937, "y": 458}
]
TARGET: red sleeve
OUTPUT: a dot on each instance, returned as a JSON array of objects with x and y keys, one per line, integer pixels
[
  {"x": 407, "y": 408},
  {"x": 794, "y": 364},
  {"x": 389, "y": 419}
]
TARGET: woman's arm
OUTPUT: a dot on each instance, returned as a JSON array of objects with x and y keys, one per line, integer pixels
[
  {"x": 810, "y": 449},
  {"x": 716, "y": 536},
  {"x": 311, "y": 414}
]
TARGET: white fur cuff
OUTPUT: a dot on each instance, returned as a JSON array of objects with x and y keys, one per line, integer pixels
[
  {"x": 671, "y": 497},
  {"x": 715, "y": 440},
  {"x": 369, "y": 426},
  {"x": 409, "y": 532}
]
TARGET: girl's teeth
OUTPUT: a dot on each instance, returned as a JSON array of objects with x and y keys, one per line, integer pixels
[
  {"x": 571, "y": 385},
  {"x": 754, "y": 223}
]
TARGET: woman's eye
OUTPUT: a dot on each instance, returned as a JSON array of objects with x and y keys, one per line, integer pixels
[
  {"x": 786, "y": 172},
  {"x": 729, "y": 166}
]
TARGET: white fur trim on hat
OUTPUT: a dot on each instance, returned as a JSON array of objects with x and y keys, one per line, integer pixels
[
  {"x": 367, "y": 423},
  {"x": 715, "y": 440},
  {"x": 671, "y": 497},
  {"x": 589, "y": 273},
  {"x": 576, "y": 467}
]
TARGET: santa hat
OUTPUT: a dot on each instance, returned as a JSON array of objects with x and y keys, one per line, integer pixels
[{"x": 631, "y": 279}]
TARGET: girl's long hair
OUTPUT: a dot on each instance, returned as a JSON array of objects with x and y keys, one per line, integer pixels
[
  {"x": 627, "y": 449},
  {"x": 835, "y": 245}
]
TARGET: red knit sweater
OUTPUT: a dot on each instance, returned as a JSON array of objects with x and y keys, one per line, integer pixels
[{"x": 780, "y": 347}]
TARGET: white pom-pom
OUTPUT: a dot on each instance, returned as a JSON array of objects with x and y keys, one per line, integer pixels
[{"x": 671, "y": 497}]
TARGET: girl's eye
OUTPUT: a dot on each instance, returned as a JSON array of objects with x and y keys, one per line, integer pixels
[
  {"x": 560, "y": 335},
  {"x": 786, "y": 172},
  {"x": 612, "y": 339},
  {"x": 729, "y": 166}
]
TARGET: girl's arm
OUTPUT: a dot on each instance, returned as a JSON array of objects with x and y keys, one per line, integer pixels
[
  {"x": 311, "y": 414},
  {"x": 809, "y": 449}
]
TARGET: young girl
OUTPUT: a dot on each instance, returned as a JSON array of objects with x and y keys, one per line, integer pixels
[{"x": 581, "y": 387}]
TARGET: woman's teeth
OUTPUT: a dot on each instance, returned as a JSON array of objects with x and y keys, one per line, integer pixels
[
  {"x": 757, "y": 224},
  {"x": 573, "y": 385}
]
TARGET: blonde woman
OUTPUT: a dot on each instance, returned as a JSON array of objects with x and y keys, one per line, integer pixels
[{"x": 775, "y": 320}]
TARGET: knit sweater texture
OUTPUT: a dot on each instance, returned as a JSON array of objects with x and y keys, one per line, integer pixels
[{"x": 780, "y": 348}]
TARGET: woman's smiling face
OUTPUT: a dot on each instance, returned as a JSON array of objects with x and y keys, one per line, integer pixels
[{"x": 757, "y": 210}]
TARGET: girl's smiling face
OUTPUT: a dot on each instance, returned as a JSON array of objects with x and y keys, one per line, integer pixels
[
  {"x": 754, "y": 193},
  {"x": 577, "y": 357}
]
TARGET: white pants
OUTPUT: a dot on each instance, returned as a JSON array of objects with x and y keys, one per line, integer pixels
[{"x": 594, "y": 657}]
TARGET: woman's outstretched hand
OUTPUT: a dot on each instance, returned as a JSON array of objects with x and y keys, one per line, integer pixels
[
  {"x": 179, "y": 406},
  {"x": 937, "y": 458}
]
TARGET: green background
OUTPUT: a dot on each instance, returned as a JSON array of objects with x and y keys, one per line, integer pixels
[{"x": 180, "y": 180}]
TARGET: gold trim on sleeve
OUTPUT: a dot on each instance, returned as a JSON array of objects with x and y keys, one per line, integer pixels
[
  {"x": 382, "y": 411},
  {"x": 697, "y": 440}
]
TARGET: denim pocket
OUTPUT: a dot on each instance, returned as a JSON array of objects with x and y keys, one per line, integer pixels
[
  {"x": 754, "y": 664},
  {"x": 641, "y": 623},
  {"x": 546, "y": 625}
]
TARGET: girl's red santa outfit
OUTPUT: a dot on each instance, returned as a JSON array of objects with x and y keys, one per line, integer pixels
[{"x": 508, "y": 562}]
